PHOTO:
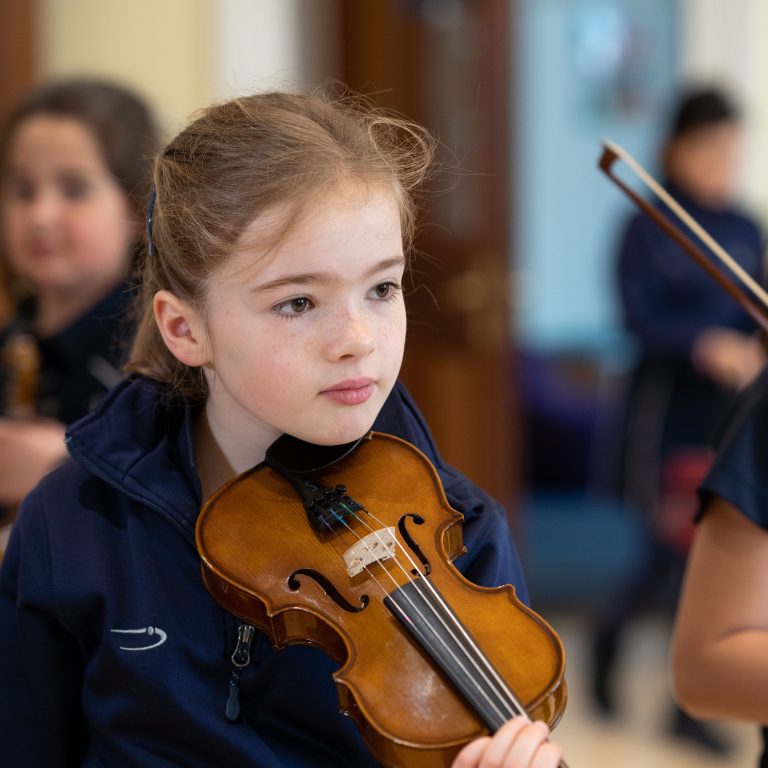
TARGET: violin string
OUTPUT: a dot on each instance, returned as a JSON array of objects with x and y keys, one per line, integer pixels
[
  {"x": 513, "y": 705},
  {"x": 340, "y": 551},
  {"x": 413, "y": 606},
  {"x": 516, "y": 707},
  {"x": 370, "y": 573}
]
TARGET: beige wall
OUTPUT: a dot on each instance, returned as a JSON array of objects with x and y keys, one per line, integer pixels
[
  {"x": 179, "y": 54},
  {"x": 724, "y": 40},
  {"x": 182, "y": 54}
]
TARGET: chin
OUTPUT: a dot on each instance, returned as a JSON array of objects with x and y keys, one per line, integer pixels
[
  {"x": 342, "y": 437},
  {"x": 338, "y": 425},
  {"x": 338, "y": 434}
]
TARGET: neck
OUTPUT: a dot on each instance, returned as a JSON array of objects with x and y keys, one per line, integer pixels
[{"x": 219, "y": 456}]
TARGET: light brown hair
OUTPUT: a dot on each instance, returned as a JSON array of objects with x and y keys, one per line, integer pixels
[{"x": 241, "y": 158}]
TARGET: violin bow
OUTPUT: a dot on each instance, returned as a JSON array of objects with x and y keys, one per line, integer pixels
[{"x": 732, "y": 277}]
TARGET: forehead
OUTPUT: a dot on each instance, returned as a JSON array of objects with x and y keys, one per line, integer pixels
[
  {"x": 726, "y": 132},
  {"x": 43, "y": 141},
  {"x": 353, "y": 217}
]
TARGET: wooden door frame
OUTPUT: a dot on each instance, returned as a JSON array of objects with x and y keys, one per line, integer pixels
[
  {"x": 18, "y": 48},
  {"x": 383, "y": 44}
]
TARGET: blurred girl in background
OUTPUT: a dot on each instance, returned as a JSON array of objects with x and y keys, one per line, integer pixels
[
  {"x": 75, "y": 164},
  {"x": 697, "y": 348}
]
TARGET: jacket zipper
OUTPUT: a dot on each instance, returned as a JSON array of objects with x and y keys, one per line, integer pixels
[{"x": 241, "y": 658}]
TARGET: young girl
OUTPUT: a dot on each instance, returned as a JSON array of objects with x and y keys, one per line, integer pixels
[
  {"x": 720, "y": 646},
  {"x": 75, "y": 167},
  {"x": 272, "y": 303}
]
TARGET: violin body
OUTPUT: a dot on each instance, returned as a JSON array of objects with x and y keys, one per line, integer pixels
[{"x": 264, "y": 562}]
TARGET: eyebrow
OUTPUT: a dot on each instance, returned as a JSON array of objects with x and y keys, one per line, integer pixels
[{"x": 305, "y": 278}]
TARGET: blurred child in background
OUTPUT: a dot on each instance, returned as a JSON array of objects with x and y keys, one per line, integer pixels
[
  {"x": 697, "y": 347},
  {"x": 75, "y": 164}
]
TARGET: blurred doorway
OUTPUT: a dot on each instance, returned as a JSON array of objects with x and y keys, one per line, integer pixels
[
  {"x": 446, "y": 65},
  {"x": 17, "y": 51}
]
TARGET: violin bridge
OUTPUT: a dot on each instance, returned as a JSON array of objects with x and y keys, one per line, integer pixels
[{"x": 376, "y": 546}]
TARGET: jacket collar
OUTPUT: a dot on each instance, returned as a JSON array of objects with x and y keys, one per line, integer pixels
[{"x": 139, "y": 440}]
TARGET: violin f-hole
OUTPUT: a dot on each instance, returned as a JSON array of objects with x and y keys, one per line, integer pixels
[
  {"x": 412, "y": 545},
  {"x": 330, "y": 590}
]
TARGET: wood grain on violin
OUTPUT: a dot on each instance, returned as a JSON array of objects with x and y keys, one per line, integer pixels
[
  {"x": 362, "y": 567},
  {"x": 21, "y": 364}
]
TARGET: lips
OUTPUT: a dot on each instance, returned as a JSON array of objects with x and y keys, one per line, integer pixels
[{"x": 350, "y": 391}]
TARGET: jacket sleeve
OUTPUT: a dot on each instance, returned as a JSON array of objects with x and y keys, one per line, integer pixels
[
  {"x": 648, "y": 315},
  {"x": 40, "y": 665},
  {"x": 738, "y": 471},
  {"x": 491, "y": 558}
]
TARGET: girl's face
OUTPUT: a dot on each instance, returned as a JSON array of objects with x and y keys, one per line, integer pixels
[
  {"x": 308, "y": 338},
  {"x": 705, "y": 162},
  {"x": 66, "y": 222}
]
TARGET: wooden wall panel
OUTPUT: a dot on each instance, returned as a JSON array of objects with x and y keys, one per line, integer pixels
[{"x": 18, "y": 66}]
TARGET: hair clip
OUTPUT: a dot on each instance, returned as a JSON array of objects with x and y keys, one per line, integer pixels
[{"x": 150, "y": 214}]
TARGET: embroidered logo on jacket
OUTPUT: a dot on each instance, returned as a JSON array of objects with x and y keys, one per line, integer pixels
[{"x": 149, "y": 631}]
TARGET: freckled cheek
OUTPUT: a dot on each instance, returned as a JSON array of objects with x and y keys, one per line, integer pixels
[
  {"x": 311, "y": 340},
  {"x": 284, "y": 356},
  {"x": 394, "y": 330}
]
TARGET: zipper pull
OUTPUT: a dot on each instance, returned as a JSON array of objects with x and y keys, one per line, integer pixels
[{"x": 241, "y": 657}]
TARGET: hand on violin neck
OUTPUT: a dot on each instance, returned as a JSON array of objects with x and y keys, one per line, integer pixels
[{"x": 519, "y": 743}]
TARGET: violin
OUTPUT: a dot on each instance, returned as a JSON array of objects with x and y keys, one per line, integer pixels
[
  {"x": 21, "y": 361},
  {"x": 351, "y": 549},
  {"x": 20, "y": 358}
]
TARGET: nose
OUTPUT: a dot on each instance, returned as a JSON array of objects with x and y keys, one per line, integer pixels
[
  {"x": 349, "y": 336},
  {"x": 43, "y": 209}
]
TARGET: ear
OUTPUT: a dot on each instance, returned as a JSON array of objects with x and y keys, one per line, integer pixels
[{"x": 181, "y": 328}]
